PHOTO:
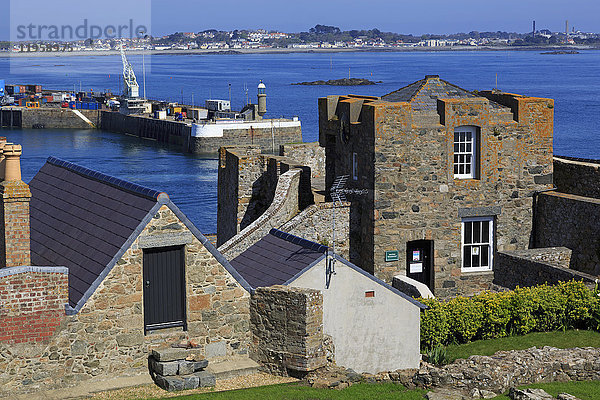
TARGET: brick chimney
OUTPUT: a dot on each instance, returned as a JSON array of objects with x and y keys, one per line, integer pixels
[{"x": 15, "y": 240}]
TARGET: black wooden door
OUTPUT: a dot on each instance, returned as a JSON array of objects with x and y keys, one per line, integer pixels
[
  {"x": 419, "y": 261},
  {"x": 164, "y": 288}
]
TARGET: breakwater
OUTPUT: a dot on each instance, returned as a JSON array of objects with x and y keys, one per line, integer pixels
[
  {"x": 201, "y": 138},
  {"x": 48, "y": 118}
]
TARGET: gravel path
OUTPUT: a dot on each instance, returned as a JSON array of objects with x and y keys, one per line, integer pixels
[{"x": 152, "y": 391}]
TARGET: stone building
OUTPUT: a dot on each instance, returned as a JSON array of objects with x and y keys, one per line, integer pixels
[
  {"x": 114, "y": 270},
  {"x": 450, "y": 176},
  {"x": 373, "y": 326}
]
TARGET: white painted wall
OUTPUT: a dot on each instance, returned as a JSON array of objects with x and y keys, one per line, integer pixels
[
  {"x": 215, "y": 129},
  {"x": 370, "y": 334}
]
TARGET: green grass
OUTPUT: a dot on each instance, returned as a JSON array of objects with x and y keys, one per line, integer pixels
[
  {"x": 296, "y": 391},
  {"x": 559, "y": 339},
  {"x": 588, "y": 390}
]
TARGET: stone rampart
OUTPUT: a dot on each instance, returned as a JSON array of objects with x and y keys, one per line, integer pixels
[
  {"x": 309, "y": 154},
  {"x": 287, "y": 329},
  {"x": 577, "y": 176},
  {"x": 533, "y": 267},
  {"x": 246, "y": 187},
  {"x": 570, "y": 221},
  {"x": 281, "y": 210},
  {"x": 315, "y": 223}
]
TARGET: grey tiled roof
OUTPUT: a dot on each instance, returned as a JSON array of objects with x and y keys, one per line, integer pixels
[
  {"x": 276, "y": 258},
  {"x": 423, "y": 94},
  {"x": 81, "y": 218}
]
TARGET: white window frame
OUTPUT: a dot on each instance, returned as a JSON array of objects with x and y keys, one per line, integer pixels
[
  {"x": 354, "y": 166},
  {"x": 477, "y": 244},
  {"x": 461, "y": 152}
]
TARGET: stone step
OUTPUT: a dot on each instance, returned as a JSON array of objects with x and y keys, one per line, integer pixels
[{"x": 232, "y": 367}]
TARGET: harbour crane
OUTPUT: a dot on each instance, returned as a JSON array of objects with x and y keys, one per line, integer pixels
[{"x": 131, "y": 87}]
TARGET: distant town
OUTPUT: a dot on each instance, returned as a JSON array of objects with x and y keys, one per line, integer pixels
[{"x": 318, "y": 37}]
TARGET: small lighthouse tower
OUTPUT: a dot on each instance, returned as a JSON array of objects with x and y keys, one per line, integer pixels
[{"x": 262, "y": 99}]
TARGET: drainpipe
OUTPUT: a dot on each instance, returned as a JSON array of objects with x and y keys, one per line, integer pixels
[{"x": 536, "y": 193}]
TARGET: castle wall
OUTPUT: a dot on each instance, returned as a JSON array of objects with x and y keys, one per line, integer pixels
[
  {"x": 282, "y": 209},
  {"x": 570, "y": 221},
  {"x": 405, "y": 161},
  {"x": 524, "y": 268},
  {"x": 247, "y": 185},
  {"x": 315, "y": 223},
  {"x": 310, "y": 154},
  {"x": 106, "y": 338},
  {"x": 577, "y": 176}
]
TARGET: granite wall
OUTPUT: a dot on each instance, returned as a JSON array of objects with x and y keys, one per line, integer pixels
[
  {"x": 281, "y": 210},
  {"x": 247, "y": 184},
  {"x": 309, "y": 154},
  {"x": 315, "y": 223},
  {"x": 533, "y": 267},
  {"x": 570, "y": 221},
  {"x": 287, "y": 330},
  {"x": 577, "y": 176},
  {"x": 405, "y": 161}
]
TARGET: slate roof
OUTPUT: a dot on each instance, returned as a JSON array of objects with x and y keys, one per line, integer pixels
[
  {"x": 423, "y": 94},
  {"x": 81, "y": 218},
  {"x": 280, "y": 258},
  {"x": 276, "y": 259}
]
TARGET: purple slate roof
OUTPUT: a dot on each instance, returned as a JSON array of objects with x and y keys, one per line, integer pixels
[
  {"x": 276, "y": 259},
  {"x": 81, "y": 219}
]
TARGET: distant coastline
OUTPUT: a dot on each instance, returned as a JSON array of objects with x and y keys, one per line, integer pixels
[{"x": 95, "y": 53}]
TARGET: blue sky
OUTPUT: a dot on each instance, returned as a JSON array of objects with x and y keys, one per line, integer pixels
[{"x": 417, "y": 17}]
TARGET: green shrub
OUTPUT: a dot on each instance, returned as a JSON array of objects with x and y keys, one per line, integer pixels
[
  {"x": 496, "y": 316},
  {"x": 465, "y": 318},
  {"x": 568, "y": 305},
  {"x": 434, "y": 324}
]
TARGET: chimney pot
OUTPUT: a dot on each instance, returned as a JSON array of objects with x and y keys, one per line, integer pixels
[{"x": 12, "y": 162}]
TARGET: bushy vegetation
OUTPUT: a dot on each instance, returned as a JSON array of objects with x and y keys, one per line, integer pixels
[{"x": 544, "y": 308}]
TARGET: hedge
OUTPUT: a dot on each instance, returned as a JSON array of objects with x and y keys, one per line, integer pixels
[{"x": 568, "y": 305}]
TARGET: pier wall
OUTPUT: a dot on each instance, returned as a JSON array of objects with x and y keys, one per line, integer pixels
[
  {"x": 269, "y": 139},
  {"x": 163, "y": 131},
  {"x": 10, "y": 118},
  {"x": 58, "y": 118},
  {"x": 47, "y": 118}
]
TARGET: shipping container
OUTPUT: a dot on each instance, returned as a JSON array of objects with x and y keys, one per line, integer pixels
[
  {"x": 34, "y": 88},
  {"x": 2, "y": 83}
]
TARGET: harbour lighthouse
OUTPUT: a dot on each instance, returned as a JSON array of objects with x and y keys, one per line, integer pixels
[{"x": 262, "y": 99}]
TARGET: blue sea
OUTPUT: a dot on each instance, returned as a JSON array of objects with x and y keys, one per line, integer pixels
[{"x": 572, "y": 80}]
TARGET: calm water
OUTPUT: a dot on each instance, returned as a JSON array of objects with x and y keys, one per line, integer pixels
[{"x": 572, "y": 80}]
